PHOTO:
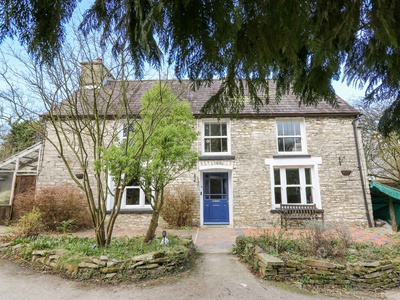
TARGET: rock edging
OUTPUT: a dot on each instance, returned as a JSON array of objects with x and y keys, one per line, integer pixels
[
  {"x": 374, "y": 275},
  {"x": 153, "y": 264}
]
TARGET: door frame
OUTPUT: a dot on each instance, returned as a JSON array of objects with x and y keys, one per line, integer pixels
[{"x": 217, "y": 169}]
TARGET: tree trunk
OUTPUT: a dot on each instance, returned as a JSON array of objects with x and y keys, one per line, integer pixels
[
  {"x": 99, "y": 230},
  {"x": 151, "y": 231},
  {"x": 392, "y": 215},
  {"x": 100, "y": 236}
]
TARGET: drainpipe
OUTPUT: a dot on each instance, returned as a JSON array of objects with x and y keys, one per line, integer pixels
[{"x": 354, "y": 123}]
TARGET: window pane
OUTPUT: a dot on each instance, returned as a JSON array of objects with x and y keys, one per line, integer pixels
[
  {"x": 132, "y": 196},
  {"x": 280, "y": 128},
  {"x": 207, "y": 145},
  {"x": 297, "y": 144},
  {"x": 224, "y": 132},
  {"x": 280, "y": 145},
  {"x": 296, "y": 127},
  {"x": 292, "y": 177},
  {"x": 216, "y": 187},
  {"x": 128, "y": 128},
  {"x": 6, "y": 182},
  {"x": 224, "y": 145},
  {"x": 293, "y": 195},
  {"x": 277, "y": 176},
  {"x": 309, "y": 195},
  {"x": 215, "y": 145},
  {"x": 289, "y": 144},
  {"x": 215, "y": 130},
  {"x": 278, "y": 195},
  {"x": 206, "y": 129},
  {"x": 225, "y": 187},
  {"x": 288, "y": 128},
  {"x": 146, "y": 201},
  {"x": 308, "y": 175}
]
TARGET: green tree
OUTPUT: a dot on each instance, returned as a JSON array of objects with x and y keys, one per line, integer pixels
[
  {"x": 301, "y": 44},
  {"x": 158, "y": 150},
  {"x": 21, "y": 135}
]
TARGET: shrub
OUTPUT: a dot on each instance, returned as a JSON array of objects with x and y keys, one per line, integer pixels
[
  {"x": 62, "y": 204},
  {"x": 23, "y": 203},
  {"x": 31, "y": 224},
  {"x": 325, "y": 240},
  {"x": 329, "y": 240},
  {"x": 178, "y": 206}
]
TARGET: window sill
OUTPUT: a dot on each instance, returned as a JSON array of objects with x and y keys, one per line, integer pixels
[
  {"x": 216, "y": 157},
  {"x": 283, "y": 156},
  {"x": 134, "y": 211}
]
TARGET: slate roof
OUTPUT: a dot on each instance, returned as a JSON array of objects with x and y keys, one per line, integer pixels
[{"x": 288, "y": 105}]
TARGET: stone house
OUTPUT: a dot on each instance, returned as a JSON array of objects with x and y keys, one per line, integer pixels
[{"x": 250, "y": 164}]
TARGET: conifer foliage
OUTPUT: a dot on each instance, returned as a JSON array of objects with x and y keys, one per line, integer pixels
[{"x": 301, "y": 44}]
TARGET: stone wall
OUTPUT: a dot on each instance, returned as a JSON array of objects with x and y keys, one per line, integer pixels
[
  {"x": 153, "y": 264},
  {"x": 252, "y": 141},
  {"x": 360, "y": 275}
]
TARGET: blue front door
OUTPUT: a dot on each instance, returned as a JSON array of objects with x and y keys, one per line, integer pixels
[{"x": 215, "y": 197}]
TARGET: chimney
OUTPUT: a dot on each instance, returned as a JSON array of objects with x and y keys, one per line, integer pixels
[{"x": 93, "y": 74}]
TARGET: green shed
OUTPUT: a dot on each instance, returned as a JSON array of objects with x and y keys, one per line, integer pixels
[{"x": 386, "y": 203}]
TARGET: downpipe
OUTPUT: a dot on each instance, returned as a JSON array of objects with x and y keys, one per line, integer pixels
[{"x": 354, "y": 123}]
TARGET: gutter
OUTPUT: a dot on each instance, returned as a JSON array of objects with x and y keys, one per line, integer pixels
[{"x": 354, "y": 123}]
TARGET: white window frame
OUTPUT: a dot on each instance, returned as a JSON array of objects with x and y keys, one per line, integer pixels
[
  {"x": 121, "y": 136},
  {"x": 142, "y": 199},
  {"x": 228, "y": 136},
  {"x": 302, "y": 136},
  {"x": 302, "y": 185},
  {"x": 124, "y": 206},
  {"x": 295, "y": 163}
]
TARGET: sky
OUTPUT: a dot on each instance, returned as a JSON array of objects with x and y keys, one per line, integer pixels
[{"x": 347, "y": 93}]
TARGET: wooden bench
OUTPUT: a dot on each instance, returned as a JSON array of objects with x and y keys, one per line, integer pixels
[{"x": 299, "y": 212}]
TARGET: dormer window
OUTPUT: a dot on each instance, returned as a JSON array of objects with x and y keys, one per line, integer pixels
[{"x": 291, "y": 137}]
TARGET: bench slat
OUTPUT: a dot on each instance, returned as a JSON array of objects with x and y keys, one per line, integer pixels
[{"x": 299, "y": 212}]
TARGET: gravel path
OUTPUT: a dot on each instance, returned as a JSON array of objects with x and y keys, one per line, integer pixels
[{"x": 233, "y": 281}]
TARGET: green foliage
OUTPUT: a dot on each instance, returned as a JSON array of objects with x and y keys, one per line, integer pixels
[
  {"x": 66, "y": 226},
  {"x": 158, "y": 150},
  {"x": 167, "y": 121},
  {"x": 22, "y": 134},
  {"x": 79, "y": 248},
  {"x": 300, "y": 44},
  {"x": 31, "y": 224},
  {"x": 38, "y": 24}
]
